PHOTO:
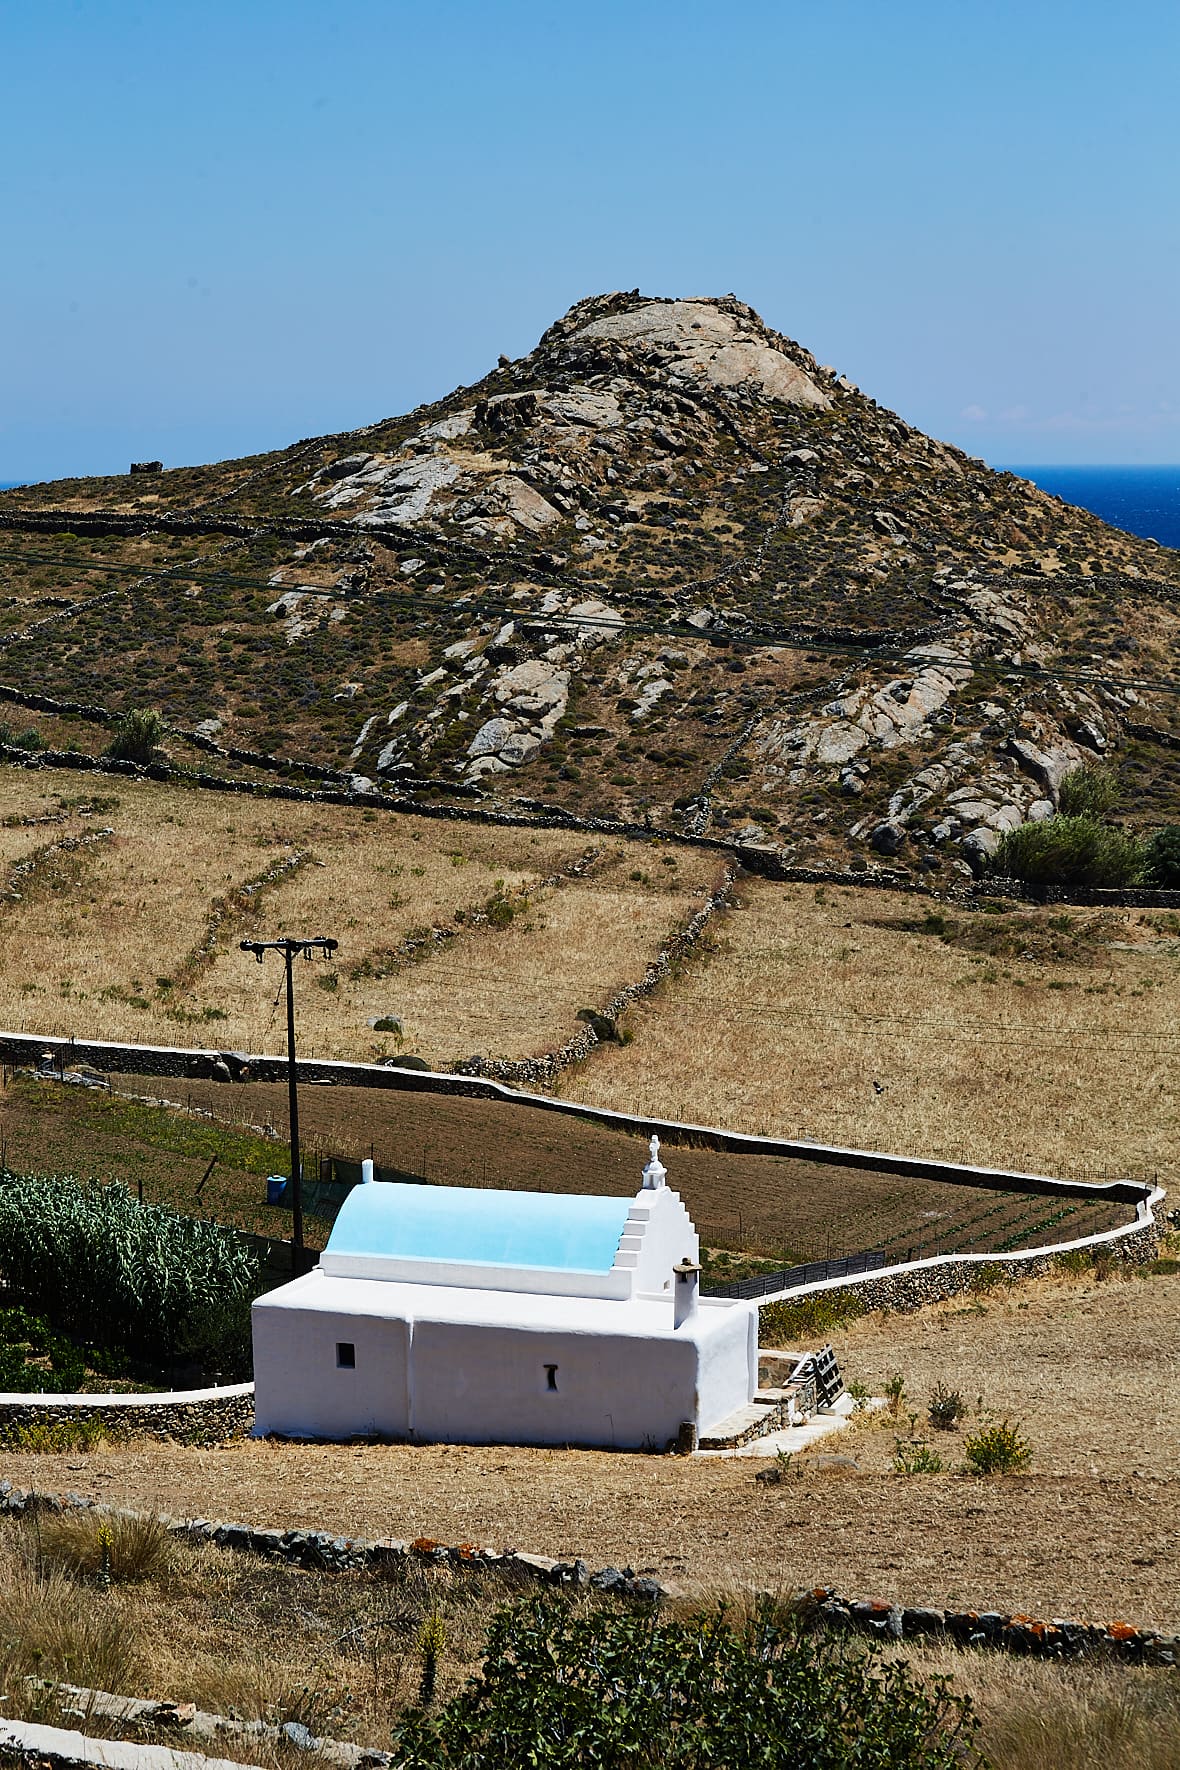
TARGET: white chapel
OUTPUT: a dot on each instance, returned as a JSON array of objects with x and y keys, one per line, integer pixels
[{"x": 446, "y": 1314}]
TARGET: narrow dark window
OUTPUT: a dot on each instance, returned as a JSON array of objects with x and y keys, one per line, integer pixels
[
  {"x": 551, "y": 1375},
  {"x": 345, "y": 1355}
]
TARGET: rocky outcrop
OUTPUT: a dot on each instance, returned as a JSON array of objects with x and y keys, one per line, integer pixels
[{"x": 742, "y": 595}]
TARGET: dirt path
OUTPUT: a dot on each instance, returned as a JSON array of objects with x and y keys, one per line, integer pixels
[{"x": 1088, "y": 1368}]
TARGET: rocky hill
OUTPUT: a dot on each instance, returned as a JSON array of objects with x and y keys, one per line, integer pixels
[{"x": 665, "y": 567}]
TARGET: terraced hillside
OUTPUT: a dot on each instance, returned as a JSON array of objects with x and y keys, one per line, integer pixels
[
  {"x": 1007, "y": 1034},
  {"x": 665, "y": 566}
]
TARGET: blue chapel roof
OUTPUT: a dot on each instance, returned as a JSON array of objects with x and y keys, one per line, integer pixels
[{"x": 555, "y": 1231}]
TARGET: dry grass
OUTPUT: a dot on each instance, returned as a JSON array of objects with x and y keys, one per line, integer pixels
[
  {"x": 513, "y": 993},
  {"x": 812, "y": 997},
  {"x": 1027, "y": 1039},
  {"x": 1088, "y": 1533},
  {"x": 231, "y": 1633},
  {"x": 342, "y": 1654},
  {"x": 46, "y": 1631},
  {"x": 111, "y": 956},
  {"x": 1064, "y": 1717},
  {"x": 120, "y": 1549}
]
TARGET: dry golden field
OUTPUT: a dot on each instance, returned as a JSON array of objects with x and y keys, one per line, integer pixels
[
  {"x": 1033, "y": 1038},
  {"x": 1029, "y": 1037},
  {"x": 111, "y": 945}
]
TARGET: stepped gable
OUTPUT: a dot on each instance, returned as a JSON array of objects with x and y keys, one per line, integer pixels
[{"x": 665, "y": 567}]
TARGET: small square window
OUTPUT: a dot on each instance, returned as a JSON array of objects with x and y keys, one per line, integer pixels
[{"x": 345, "y": 1355}]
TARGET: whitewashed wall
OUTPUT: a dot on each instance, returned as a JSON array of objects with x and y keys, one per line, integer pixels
[{"x": 625, "y": 1378}]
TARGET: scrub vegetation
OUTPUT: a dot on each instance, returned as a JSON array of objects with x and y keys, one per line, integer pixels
[{"x": 122, "y": 1606}]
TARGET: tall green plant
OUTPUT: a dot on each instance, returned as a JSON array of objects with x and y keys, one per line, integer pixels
[
  {"x": 1068, "y": 851},
  {"x": 141, "y": 1277},
  {"x": 138, "y": 735}
]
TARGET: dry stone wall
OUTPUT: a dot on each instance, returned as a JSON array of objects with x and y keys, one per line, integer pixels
[
  {"x": 199, "y": 1416},
  {"x": 821, "y": 1608},
  {"x": 905, "y": 1289},
  {"x": 542, "y": 1071}
]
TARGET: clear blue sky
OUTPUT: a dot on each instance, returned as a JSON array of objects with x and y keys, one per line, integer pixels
[{"x": 232, "y": 223}]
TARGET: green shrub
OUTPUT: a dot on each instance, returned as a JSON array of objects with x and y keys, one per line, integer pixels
[
  {"x": 1161, "y": 859},
  {"x": 49, "y": 1438},
  {"x": 807, "y": 1318},
  {"x": 24, "y": 1341},
  {"x": 913, "y": 1456},
  {"x": 946, "y": 1408},
  {"x": 1076, "y": 1262},
  {"x": 500, "y": 909},
  {"x": 1089, "y": 791},
  {"x": 998, "y": 1449},
  {"x": 140, "y": 1277},
  {"x": 138, "y": 735},
  {"x": 562, "y": 1686},
  {"x": 1077, "y": 851}
]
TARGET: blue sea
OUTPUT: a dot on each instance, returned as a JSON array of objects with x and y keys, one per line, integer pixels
[{"x": 1143, "y": 500}]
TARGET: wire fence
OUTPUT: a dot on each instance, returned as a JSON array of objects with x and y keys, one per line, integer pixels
[{"x": 765, "y": 1284}]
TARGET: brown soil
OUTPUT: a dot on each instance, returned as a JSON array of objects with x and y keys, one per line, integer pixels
[
  {"x": 1085, "y": 1366},
  {"x": 795, "y": 1209}
]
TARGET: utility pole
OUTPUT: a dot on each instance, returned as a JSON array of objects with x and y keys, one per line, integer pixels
[{"x": 289, "y": 947}]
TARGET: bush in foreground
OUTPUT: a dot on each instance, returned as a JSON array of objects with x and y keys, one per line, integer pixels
[
  {"x": 565, "y": 1687},
  {"x": 105, "y": 1269}
]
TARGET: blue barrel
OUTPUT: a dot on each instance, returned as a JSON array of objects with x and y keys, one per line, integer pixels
[{"x": 276, "y": 1187}]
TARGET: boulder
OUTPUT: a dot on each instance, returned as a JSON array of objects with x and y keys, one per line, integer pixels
[
  {"x": 490, "y": 739},
  {"x": 887, "y": 837},
  {"x": 345, "y": 467},
  {"x": 519, "y": 748},
  {"x": 978, "y": 846},
  {"x": 533, "y": 687},
  {"x": 1047, "y": 766}
]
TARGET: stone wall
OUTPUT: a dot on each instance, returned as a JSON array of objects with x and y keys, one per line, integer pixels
[
  {"x": 762, "y": 861},
  {"x": 905, "y": 1289},
  {"x": 51, "y": 1054},
  {"x": 543, "y": 1071},
  {"x": 821, "y": 1607},
  {"x": 194, "y": 1416}
]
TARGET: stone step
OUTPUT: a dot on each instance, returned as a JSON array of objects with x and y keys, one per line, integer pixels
[{"x": 766, "y": 1413}]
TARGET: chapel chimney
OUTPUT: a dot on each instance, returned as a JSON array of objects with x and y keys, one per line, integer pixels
[{"x": 688, "y": 1289}]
